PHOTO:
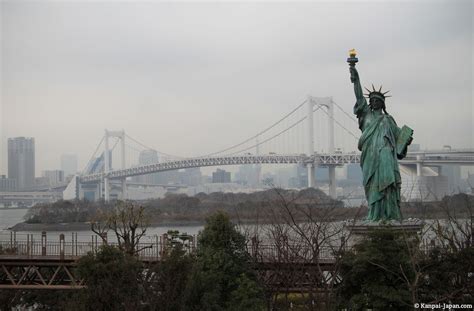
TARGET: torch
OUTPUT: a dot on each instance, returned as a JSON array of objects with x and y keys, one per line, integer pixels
[{"x": 352, "y": 60}]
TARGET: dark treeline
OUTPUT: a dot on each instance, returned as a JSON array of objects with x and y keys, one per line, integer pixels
[
  {"x": 184, "y": 208},
  {"x": 241, "y": 207}
]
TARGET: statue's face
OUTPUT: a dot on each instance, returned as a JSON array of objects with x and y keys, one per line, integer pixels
[{"x": 376, "y": 103}]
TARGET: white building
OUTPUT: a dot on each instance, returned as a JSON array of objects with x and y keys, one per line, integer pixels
[{"x": 54, "y": 177}]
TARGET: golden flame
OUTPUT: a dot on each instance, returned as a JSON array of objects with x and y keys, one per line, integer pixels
[{"x": 352, "y": 53}]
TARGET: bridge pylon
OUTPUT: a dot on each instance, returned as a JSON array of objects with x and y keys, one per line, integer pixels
[
  {"x": 328, "y": 103},
  {"x": 310, "y": 144},
  {"x": 107, "y": 164}
]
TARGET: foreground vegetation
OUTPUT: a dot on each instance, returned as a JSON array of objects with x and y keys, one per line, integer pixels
[
  {"x": 388, "y": 271},
  {"x": 218, "y": 276}
]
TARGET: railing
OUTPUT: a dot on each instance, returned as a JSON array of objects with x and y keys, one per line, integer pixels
[
  {"x": 30, "y": 246},
  {"x": 292, "y": 253},
  {"x": 149, "y": 251},
  {"x": 68, "y": 250}
]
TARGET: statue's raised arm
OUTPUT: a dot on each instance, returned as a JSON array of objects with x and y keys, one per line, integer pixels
[
  {"x": 357, "y": 87},
  {"x": 361, "y": 108}
]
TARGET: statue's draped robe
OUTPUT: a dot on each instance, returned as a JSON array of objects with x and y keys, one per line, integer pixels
[{"x": 378, "y": 143}]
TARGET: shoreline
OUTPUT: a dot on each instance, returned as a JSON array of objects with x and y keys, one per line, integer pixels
[{"x": 85, "y": 226}]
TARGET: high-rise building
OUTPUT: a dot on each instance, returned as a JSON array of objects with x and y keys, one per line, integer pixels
[
  {"x": 54, "y": 177},
  {"x": 147, "y": 157},
  {"x": 248, "y": 175},
  {"x": 21, "y": 161},
  {"x": 69, "y": 164},
  {"x": 220, "y": 176},
  {"x": 7, "y": 184},
  {"x": 190, "y": 176},
  {"x": 166, "y": 178}
]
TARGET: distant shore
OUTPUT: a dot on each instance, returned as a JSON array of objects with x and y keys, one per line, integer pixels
[
  {"x": 86, "y": 226},
  {"x": 12, "y": 208}
]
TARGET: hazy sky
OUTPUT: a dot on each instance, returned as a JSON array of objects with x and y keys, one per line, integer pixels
[{"x": 191, "y": 78}]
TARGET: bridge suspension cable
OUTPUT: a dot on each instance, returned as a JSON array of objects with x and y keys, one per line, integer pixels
[
  {"x": 276, "y": 135},
  {"x": 133, "y": 148},
  {"x": 342, "y": 126},
  {"x": 343, "y": 111},
  {"x": 149, "y": 148},
  {"x": 256, "y": 135}
]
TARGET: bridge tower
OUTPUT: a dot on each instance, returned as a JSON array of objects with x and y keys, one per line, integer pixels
[
  {"x": 325, "y": 102},
  {"x": 258, "y": 167},
  {"x": 331, "y": 168},
  {"x": 311, "y": 165},
  {"x": 107, "y": 153}
]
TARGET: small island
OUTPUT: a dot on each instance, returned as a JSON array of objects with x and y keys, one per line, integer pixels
[{"x": 245, "y": 208}]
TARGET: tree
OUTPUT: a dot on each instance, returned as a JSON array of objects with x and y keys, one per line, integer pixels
[
  {"x": 376, "y": 271},
  {"x": 39, "y": 299},
  {"x": 303, "y": 234},
  {"x": 165, "y": 282},
  {"x": 450, "y": 262},
  {"x": 127, "y": 221},
  {"x": 221, "y": 278},
  {"x": 449, "y": 276},
  {"x": 113, "y": 279}
]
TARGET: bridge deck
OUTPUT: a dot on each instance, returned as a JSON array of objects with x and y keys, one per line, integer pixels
[{"x": 426, "y": 158}]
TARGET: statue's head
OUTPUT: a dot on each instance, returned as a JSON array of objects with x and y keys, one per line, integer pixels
[{"x": 376, "y": 98}]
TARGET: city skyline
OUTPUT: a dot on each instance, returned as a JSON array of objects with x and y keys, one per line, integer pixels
[{"x": 168, "y": 67}]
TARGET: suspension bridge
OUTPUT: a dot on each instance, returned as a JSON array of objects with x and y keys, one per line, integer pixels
[{"x": 316, "y": 133}]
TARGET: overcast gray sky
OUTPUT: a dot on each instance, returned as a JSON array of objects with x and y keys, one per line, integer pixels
[{"x": 191, "y": 78}]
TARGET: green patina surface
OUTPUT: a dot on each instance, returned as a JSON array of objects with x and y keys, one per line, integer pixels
[{"x": 382, "y": 143}]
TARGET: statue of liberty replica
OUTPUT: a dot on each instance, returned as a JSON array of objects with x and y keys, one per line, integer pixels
[{"x": 382, "y": 144}]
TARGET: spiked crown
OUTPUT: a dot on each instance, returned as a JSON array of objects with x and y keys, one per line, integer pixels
[{"x": 376, "y": 94}]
